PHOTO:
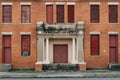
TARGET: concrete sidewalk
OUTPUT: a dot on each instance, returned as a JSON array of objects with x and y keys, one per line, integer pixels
[{"x": 61, "y": 74}]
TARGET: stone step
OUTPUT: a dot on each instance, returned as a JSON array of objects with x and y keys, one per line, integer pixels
[
  {"x": 60, "y": 67},
  {"x": 5, "y": 67},
  {"x": 115, "y": 67}
]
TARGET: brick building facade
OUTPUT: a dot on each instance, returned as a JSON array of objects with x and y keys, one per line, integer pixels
[{"x": 35, "y": 33}]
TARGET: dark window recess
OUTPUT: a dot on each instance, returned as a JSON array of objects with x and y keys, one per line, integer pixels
[
  {"x": 94, "y": 14},
  {"x": 25, "y": 45},
  {"x": 25, "y": 14},
  {"x": 49, "y": 13},
  {"x": 94, "y": 44},
  {"x": 60, "y": 13},
  {"x": 70, "y": 13},
  {"x": 6, "y": 14},
  {"x": 113, "y": 13}
]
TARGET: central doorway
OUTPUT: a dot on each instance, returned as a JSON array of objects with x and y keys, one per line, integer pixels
[{"x": 60, "y": 53}]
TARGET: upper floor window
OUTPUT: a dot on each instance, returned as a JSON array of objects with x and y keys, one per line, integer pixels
[
  {"x": 49, "y": 13},
  {"x": 25, "y": 14},
  {"x": 70, "y": 13},
  {"x": 113, "y": 13},
  {"x": 6, "y": 13},
  {"x": 94, "y": 13},
  {"x": 60, "y": 13}
]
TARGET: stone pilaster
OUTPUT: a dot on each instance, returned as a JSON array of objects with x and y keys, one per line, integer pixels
[{"x": 40, "y": 51}]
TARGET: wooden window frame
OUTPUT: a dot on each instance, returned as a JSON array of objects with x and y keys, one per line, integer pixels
[
  {"x": 91, "y": 44},
  {"x": 62, "y": 20},
  {"x": 73, "y": 15},
  {"x": 3, "y": 14},
  {"x": 23, "y": 52},
  {"x": 22, "y": 20},
  {"x": 93, "y": 18},
  {"x": 113, "y": 13},
  {"x": 48, "y": 13}
]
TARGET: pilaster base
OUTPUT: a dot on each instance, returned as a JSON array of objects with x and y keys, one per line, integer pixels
[
  {"x": 82, "y": 66},
  {"x": 38, "y": 66}
]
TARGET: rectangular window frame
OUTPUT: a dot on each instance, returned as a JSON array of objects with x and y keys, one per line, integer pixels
[
  {"x": 22, "y": 21},
  {"x": 47, "y": 19},
  {"x": 57, "y": 12},
  {"x": 109, "y": 20},
  {"x": 23, "y": 53},
  {"x": 10, "y": 14},
  {"x": 91, "y": 14},
  {"x": 73, "y": 16},
  {"x": 91, "y": 44}
]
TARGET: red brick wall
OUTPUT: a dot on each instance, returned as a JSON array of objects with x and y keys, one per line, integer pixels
[{"x": 38, "y": 13}]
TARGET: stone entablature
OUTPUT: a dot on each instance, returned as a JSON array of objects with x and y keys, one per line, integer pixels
[{"x": 67, "y": 28}]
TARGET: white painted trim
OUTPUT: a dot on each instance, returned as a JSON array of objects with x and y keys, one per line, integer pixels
[
  {"x": 39, "y": 63},
  {"x": 25, "y": 33},
  {"x": 95, "y": 33},
  {"x": 113, "y": 3},
  {"x": 6, "y": 33},
  {"x": 80, "y": 22},
  {"x": 49, "y": 3},
  {"x": 60, "y": 3},
  {"x": 6, "y": 3},
  {"x": 94, "y": 3},
  {"x": 116, "y": 33},
  {"x": 70, "y": 3},
  {"x": 81, "y": 62},
  {"x": 25, "y": 3},
  {"x": 39, "y": 22}
]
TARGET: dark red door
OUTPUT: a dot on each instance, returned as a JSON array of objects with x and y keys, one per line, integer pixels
[
  {"x": 113, "y": 48},
  {"x": 6, "y": 49},
  {"x": 61, "y": 53},
  {"x": 113, "y": 55}
]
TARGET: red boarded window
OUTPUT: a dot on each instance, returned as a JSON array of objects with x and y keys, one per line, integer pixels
[
  {"x": 49, "y": 13},
  {"x": 60, "y": 13},
  {"x": 94, "y": 44},
  {"x": 113, "y": 40},
  {"x": 71, "y": 13},
  {"x": 6, "y": 13},
  {"x": 25, "y": 45},
  {"x": 25, "y": 14},
  {"x": 113, "y": 13},
  {"x": 94, "y": 15}
]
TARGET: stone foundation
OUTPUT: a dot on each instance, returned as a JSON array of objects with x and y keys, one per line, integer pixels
[
  {"x": 73, "y": 67},
  {"x": 82, "y": 66},
  {"x": 5, "y": 67},
  {"x": 115, "y": 67},
  {"x": 38, "y": 67}
]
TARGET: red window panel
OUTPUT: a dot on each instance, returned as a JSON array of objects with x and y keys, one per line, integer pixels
[
  {"x": 94, "y": 15},
  {"x": 94, "y": 44},
  {"x": 113, "y": 40},
  {"x": 60, "y": 13},
  {"x": 71, "y": 13},
  {"x": 6, "y": 41},
  {"x": 49, "y": 13},
  {"x": 25, "y": 14},
  {"x": 6, "y": 13},
  {"x": 113, "y": 13},
  {"x": 25, "y": 43}
]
